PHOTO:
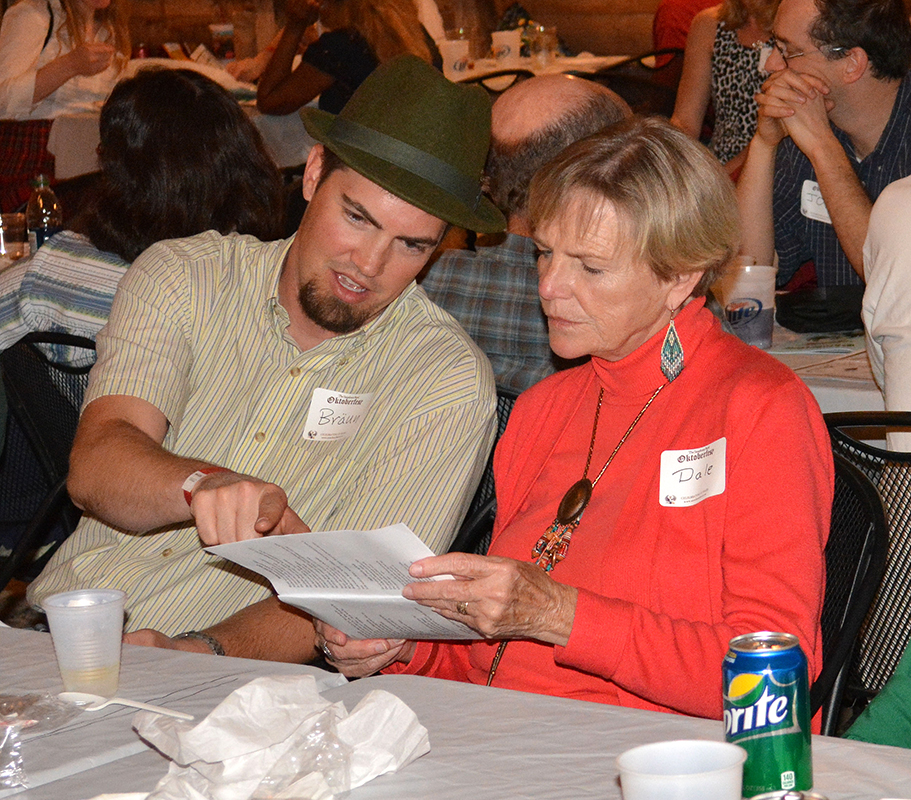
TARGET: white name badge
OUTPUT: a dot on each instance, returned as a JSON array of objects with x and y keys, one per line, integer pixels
[
  {"x": 812, "y": 205},
  {"x": 690, "y": 476},
  {"x": 335, "y": 416}
]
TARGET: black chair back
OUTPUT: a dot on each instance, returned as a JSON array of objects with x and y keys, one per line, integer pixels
[
  {"x": 474, "y": 535},
  {"x": 43, "y": 399},
  {"x": 647, "y": 82},
  {"x": 855, "y": 560},
  {"x": 499, "y": 81},
  {"x": 887, "y": 629}
]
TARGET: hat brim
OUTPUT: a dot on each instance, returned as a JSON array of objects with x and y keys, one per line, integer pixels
[{"x": 485, "y": 218}]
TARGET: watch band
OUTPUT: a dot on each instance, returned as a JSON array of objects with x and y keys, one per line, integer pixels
[
  {"x": 195, "y": 478},
  {"x": 213, "y": 643}
]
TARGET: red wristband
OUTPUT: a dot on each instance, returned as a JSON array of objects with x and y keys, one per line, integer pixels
[{"x": 195, "y": 478}]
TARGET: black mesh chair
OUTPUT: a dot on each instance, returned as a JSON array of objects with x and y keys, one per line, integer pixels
[
  {"x": 43, "y": 399},
  {"x": 474, "y": 535},
  {"x": 887, "y": 628},
  {"x": 647, "y": 82},
  {"x": 855, "y": 561}
]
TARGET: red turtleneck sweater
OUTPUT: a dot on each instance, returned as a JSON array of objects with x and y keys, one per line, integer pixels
[{"x": 663, "y": 588}]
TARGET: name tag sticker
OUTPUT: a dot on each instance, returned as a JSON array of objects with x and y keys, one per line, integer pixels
[
  {"x": 812, "y": 205},
  {"x": 690, "y": 476},
  {"x": 335, "y": 416}
]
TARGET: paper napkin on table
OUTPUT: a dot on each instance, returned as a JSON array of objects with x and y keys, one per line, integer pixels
[{"x": 276, "y": 737}]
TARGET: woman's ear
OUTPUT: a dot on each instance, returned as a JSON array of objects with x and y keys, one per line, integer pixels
[{"x": 681, "y": 288}]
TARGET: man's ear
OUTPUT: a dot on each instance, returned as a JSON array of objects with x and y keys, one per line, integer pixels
[
  {"x": 854, "y": 65},
  {"x": 313, "y": 171}
]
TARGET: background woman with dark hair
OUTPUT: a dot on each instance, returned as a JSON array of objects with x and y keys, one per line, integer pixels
[
  {"x": 178, "y": 157},
  {"x": 361, "y": 35},
  {"x": 60, "y": 55}
]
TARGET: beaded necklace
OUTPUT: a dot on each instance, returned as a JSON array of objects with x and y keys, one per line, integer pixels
[{"x": 553, "y": 545}]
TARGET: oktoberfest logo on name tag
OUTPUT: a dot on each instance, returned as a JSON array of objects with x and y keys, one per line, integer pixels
[
  {"x": 690, "y": 476},
  {"x": 335, "y": 416},
  {"x": 812, "y": 205}
]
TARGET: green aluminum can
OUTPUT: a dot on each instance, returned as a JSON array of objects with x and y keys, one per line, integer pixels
[{"x": 767, "y": 711}]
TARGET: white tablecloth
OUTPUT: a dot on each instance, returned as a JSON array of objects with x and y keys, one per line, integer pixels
[
  {"x": 183, "y": 681},
  {"x": 581, "y": 63},
  {"x": 484, "y": 742},
  {"x": 834, "y": 366}
]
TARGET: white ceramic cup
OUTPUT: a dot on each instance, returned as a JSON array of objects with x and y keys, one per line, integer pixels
[
  {"x": 506, "y": 47},
  {"x": 455, "y": 57},
  {"x": 87, "y": 627},
  {"x": 747, "y": 295},
  {"x": 684, "y": 769}
]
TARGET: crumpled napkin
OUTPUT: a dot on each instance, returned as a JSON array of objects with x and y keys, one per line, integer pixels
[{"x": 276, "y": 737}]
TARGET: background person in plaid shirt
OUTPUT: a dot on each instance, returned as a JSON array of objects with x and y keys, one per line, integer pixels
[{"x": 493, "y": 292}]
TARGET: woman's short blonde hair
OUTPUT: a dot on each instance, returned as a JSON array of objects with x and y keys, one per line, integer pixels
[{"x": 673, "y": 197}]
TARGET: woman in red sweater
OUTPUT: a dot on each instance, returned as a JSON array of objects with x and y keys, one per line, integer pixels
[{"x": 692, "y": 472}]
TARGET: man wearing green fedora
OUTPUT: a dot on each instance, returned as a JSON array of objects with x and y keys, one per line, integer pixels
[{"x": 247, "y": 388}]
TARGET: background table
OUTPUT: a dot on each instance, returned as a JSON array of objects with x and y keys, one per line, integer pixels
[
  {"x": 484, "y": 742},
  {"x": 184, "y": 681},
  {"x": 73, "y": 139},
  {"x": 834, "y": 366}
]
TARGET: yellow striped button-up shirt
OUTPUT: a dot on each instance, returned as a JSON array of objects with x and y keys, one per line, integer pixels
[{"x": 196, "y": 330}]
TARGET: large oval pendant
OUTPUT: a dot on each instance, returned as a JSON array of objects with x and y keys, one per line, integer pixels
[{"x": 574, "y": 502}]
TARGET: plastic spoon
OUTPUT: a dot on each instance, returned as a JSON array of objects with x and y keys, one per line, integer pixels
[{"x": 95, "y": 702}]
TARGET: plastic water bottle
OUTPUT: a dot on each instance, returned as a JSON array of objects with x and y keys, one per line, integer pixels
[{"x": 43, "y": 215}]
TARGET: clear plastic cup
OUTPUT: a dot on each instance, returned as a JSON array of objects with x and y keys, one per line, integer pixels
[
  {"x": 87, "y": 627},
  {"x": 13, "y": 237},
  {"x": 747, "y": 295},
  {"x": 543, "y": 44},
  {"x": 684, "y": 769}
]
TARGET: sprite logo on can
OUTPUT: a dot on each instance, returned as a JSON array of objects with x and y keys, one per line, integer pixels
[
  {"x": 756, "y": 706},
  {"x": 766, "y": 711}
]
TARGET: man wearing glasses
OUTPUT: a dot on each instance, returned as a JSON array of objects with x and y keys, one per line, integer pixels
[{"x": 834, "y": 130}]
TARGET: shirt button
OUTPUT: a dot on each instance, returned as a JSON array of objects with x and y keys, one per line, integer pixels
[
  {"x": 166, "y": 552},
  {"x": 294, "y": 372},
  {"x": 259, "y": 436}
]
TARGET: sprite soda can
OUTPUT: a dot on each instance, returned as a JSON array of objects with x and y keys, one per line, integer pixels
[{"x": 767, "y": 711}]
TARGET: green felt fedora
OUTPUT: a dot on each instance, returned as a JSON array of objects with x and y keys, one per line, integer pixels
[{"x": 419, "y": 136}]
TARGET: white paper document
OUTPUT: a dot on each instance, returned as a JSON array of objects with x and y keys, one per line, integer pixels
[{"x": 351, "y": 579}]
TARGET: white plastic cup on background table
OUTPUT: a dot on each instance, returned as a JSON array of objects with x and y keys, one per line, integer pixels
[
  {"x": 683, "y": 769},
  {"x": 747, "y": 295},
  {"x": 86, "y": 628},
  {"x": 455, "y": 57},
  {"x": 506, "y": 47}
]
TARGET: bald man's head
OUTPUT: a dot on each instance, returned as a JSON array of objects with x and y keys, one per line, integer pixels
[{"x": 534, "y": 121}]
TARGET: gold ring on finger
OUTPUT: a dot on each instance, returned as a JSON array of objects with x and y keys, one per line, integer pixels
[{"x": 462, "y": 608}]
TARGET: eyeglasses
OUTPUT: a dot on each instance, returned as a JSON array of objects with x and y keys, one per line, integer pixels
[{"x": 786, "y": 56}]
